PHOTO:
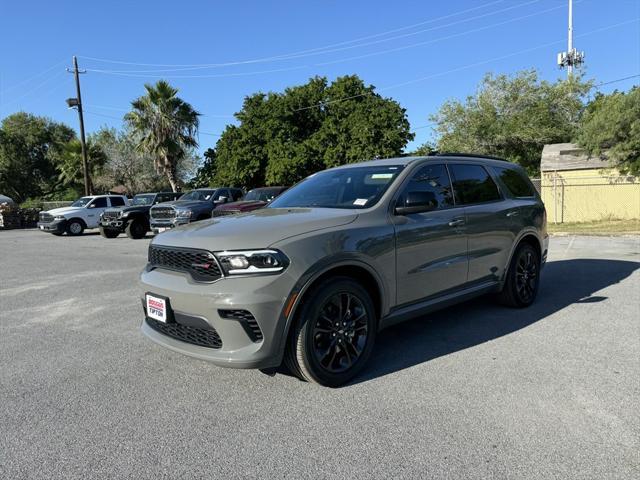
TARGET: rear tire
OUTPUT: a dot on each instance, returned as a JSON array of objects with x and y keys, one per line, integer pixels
[
  {"x": 108, "y": 233},
  {"x": 136, "y": 229},
  {"x": 523, "y": 278},
  {"x": 333, "y": 334},
  {"x": 75, "y": 227}
]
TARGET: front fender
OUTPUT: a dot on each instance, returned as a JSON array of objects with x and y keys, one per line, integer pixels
[{"x": 313, "y": 273}]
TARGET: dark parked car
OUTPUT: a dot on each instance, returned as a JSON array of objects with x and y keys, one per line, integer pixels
[
  {"x": 191, "y": 207},
  {"x": 133, "y": 219},
  {"x": 254, "y": 199},
  {"x": 316, "y": 275}
]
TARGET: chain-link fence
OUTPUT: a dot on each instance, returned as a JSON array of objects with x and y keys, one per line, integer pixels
[{"x": 575, "y": 196}]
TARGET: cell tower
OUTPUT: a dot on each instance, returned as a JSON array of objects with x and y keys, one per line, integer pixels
[{"x": 571, "y": 58}]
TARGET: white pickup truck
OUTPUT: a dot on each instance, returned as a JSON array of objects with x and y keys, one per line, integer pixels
[{"x": 83, "y": 213}]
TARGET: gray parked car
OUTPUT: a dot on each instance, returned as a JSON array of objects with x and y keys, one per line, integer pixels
[
  {"x": 193, "y": 206},
  {"x": 313, "y": 277}
]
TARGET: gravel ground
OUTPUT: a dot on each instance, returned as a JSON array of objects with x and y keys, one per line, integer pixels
[{"x": 474, "y": 391}]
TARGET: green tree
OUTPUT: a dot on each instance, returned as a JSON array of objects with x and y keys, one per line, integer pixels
[
  {"x": 30, "y": 148},
  {"x": 70, "y": 164},
  {"x": 166, "y": 127},
  {"x": 207, "y": 170},
  {"x": 512, "y": 117},
  {"x": 283, "y": 137},
  {"x": 611, "y": 127}
]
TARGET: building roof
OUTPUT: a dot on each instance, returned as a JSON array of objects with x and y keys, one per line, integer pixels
[{"x": 568, "y": 156}]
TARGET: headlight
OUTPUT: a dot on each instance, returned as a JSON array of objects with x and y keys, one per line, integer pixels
[
  {"x": 243, "y": 262},
  {"x": 59, "y": 217},
  {"x": 122, "y": 214},
  {"x": 183, "y": 213}
]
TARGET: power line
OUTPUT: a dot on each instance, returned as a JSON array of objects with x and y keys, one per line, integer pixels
[
  {"x": 325, "y": 51},
  {"x": 37, "y": 87},
  {"x": 283, "y": 56},
  {"x": 33, "y": 77},
  {"x": 617, "y": 80},
  {"x": 435, "y": 40},
  {"x": 465, "y": 67}
]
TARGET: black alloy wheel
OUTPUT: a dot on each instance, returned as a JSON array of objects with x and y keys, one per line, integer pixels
[
  {"x": 523, "y": 278},
  {"x": 526, "y": 276},
  {"x": 333, "y": 333},
  {"x": 340, "y": 332}
]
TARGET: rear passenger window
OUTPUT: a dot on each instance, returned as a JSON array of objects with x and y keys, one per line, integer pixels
[
  {"x": 117, "y": 201},
  {"x": 515, "y": 182},
  {"x": 472, "y": 184},
  {"x": 434, "y": 181}
]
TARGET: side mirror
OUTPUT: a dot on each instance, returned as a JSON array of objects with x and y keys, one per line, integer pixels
[
  {"x": 220, "y": 200},
  {"x": 417, "y": 202},
  {"x": 91, "y": 206}
]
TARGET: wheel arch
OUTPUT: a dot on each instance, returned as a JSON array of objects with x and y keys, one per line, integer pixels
[
  {"x": 528, "y": 236},
  {"x": 350, "y": 268},
  {"x": 80, "y": 219}
]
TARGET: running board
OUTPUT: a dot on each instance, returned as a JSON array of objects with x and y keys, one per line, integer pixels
[{"x": 408, "y": 312}]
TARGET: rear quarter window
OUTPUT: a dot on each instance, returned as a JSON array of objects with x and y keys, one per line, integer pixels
[
  {"x": 515, "y": 182},
  {"x": 473, "y": 184}
]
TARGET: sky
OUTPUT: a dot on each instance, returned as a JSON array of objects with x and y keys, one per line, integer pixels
[{"x": 418, "y": 52}]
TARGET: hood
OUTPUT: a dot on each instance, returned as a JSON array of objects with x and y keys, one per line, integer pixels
[
  {"x": 64, "y": 210},
  {"x": 183, "y": 203},
  {"x": 242, "y": 205},
  {"x": 257, "y": 229}
]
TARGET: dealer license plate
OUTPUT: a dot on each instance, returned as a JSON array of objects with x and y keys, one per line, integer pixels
[{"x": 157, "y": 308}]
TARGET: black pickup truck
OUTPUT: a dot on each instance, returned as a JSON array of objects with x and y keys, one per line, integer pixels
[{"x": 133, "y": 219}]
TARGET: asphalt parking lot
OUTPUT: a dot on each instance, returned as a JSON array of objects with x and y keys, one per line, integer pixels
[{"x": 474, "y": 391}]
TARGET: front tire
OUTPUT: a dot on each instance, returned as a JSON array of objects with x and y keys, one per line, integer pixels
[
  {"x": 523, "y": 278},
  {"x": 75, "y": 228},
  {"x": 108, "y": 233},
  {"x": 136, "y": 229},
  {"x": 334, "y": 333}
]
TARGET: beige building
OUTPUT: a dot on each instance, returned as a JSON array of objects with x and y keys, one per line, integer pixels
[{"x": 579, "y": 188}]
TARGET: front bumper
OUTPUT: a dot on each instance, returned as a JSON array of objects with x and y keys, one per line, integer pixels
[
  {"x": 158, "y": 226},
  {"x": 118, "y": 224},
  {"x": 57, "y": 226},
  {"x": 263, "y": 296}
]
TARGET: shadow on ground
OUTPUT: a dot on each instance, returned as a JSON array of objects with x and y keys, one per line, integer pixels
[{"x": 563, "y": 283}]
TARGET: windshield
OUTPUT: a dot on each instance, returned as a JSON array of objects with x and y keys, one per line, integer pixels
[
  {"x": 357, "y": 187},
  {"x": 261, "y": 194},
  {"x": 81, "y": 202},
  {"x": 142, "y": 200},
  {"x": 198, "y": 195}
]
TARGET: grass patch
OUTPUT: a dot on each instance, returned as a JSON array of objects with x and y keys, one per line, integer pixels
[{"x": 601, "y": 227}]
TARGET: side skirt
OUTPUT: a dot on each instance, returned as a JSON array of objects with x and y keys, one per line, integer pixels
[{"x": 408, "y": 312}]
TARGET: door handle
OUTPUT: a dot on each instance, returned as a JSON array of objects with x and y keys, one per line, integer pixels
[
  {"x": 512, "y": 213},
  {"x": 456, "y": 223}
]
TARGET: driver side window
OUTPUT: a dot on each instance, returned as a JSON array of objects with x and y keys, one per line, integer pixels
[
  {"x": 99, "y": 203},
  {"x": 430, "y": 183}
]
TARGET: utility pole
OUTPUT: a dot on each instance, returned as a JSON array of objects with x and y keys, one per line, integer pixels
[
  {"x": 571, "y": 58},
  {"x": 77, "y": 102}
]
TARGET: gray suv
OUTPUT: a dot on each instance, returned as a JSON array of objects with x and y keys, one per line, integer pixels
[{"x": 312, "y": 278}]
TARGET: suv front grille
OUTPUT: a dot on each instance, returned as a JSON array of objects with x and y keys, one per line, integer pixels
[
  {"x": 247, "y": 320},
  {"x": 196, "y": 336},
  {"x": 111, "y": 214},
  {"x": 200, "y": 264},
  {"x": 163, "y": 213},
  {"x": 46, "y": 217}
]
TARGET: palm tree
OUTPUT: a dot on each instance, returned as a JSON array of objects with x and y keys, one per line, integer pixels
[{"x": 166, "y": 127}]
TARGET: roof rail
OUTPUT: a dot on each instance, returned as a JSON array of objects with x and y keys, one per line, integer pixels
[{"x": 469, "y": 155}]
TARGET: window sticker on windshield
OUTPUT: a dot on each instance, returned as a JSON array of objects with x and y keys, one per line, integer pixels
[
  {"x": 381, "y": 175},
  {"x": 360, "y": 201}
]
